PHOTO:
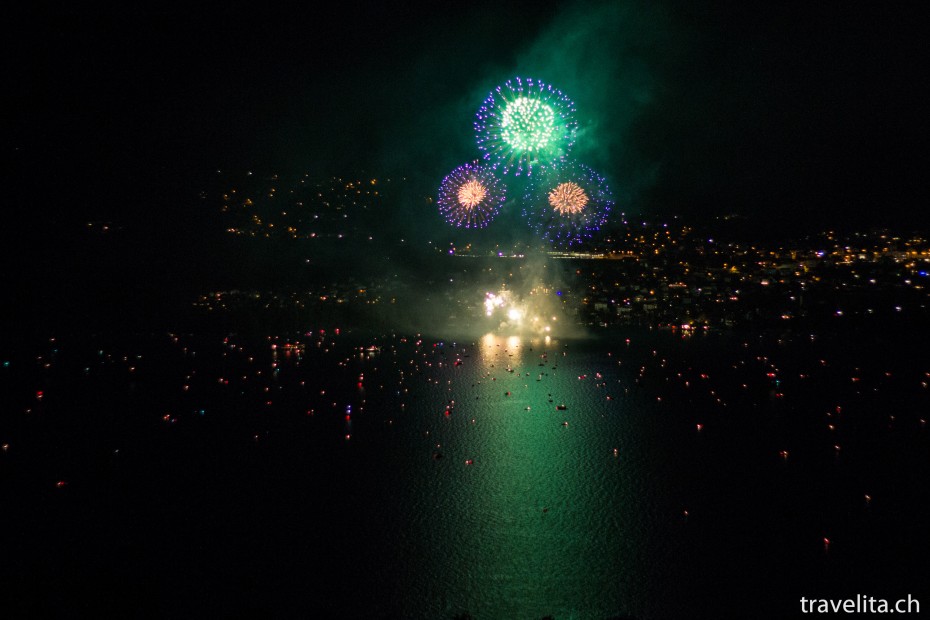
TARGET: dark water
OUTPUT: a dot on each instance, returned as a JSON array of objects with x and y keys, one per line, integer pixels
[{"x": 332, "y": 482}]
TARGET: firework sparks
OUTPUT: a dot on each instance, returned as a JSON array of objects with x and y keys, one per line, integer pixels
[
  {"x": 492, "y": 301},
  {"x": 471, "y": 196},
  {"x": 527, "y": 124},
  {"x": 524, "y": 123},
  {"x": 568, "y": 203},
  {"x": 568, "y": 198}
]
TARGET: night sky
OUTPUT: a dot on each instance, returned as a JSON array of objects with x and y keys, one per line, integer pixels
[{"x": 799, "y": 117}]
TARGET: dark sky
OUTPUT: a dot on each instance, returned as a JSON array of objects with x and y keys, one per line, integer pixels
[{"x": 797, "y": 113}]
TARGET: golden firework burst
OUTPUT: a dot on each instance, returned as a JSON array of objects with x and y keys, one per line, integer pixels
[
  {"x": 471, "y": 194},
  {"x": 568, "y": 198}
]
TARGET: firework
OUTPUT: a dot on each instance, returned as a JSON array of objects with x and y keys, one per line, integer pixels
[
  {"x": 470, "y": 196},
  {"x": 568, "y": 198},
  {"x": 492, "y": 301},
  {"x": 567, "y": 203},
  {"x": 525, "y": 123}
]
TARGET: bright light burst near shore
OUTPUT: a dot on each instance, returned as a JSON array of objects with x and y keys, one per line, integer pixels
[
  {"x": 567, "y": 203},
  {"x": 471, "y": 196},
  {"x": 525, "y": 123}
]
